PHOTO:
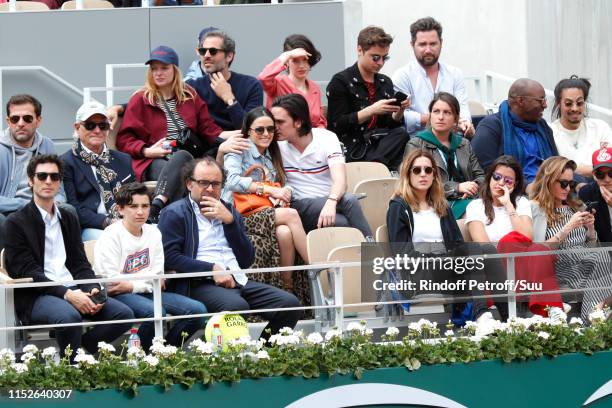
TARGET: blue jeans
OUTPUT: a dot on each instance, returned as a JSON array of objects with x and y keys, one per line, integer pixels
[
  {"x": 49, "y": 309},
  {"x": 173, "y": 303}
]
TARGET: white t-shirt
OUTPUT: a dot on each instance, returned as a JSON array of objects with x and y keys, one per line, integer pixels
[
  {"x": 117, "y": 251},
  {"x": 579, "y": 145},
  {"x": 308, "y": 172},
  {"x": 427, "y": 226},
  {"x": 501, "y": 225}
]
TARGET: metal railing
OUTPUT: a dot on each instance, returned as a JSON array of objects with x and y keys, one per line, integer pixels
[{"x": 338, "y": 305}]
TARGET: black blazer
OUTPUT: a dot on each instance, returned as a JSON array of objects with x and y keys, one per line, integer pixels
[
  {"x": 589, "y": 193},
  {"x": 25, "y": 255},
  {"x": 346, "y": 95},
  {"x": 82, "y": 188}
]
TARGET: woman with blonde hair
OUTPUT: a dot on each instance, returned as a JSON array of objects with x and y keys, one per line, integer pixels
[
  {"x": 560, "y": 221},
  {"x": 155, "y": 117}
]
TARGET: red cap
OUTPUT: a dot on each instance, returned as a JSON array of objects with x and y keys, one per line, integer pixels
[{"x": 602, "y": 158}]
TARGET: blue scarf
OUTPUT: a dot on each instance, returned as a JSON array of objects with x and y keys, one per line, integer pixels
[{"x": 513, "y": 145}]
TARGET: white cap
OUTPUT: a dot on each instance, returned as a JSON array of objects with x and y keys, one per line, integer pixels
[{"x": 87, "y": 110}]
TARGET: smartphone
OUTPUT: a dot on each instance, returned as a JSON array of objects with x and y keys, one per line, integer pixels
[
  {"x": 590, "y": 206},
  {"x": 399, "y": 98},
  {"x": 100, "y": 297}
]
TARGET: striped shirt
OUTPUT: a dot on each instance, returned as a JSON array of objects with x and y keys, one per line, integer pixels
[{"x": 173, "y": 132}]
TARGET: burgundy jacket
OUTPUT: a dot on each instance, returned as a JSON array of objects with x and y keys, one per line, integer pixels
[{"x": 144, "y": 124}]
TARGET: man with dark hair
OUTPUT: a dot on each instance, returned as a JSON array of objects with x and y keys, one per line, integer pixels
[
  {"x": 362, "y": 109},
  {"x": 228, "y": 94},
  {"x": 132, "y": 247},
  {"x": 203, "y": 233},
  {"x": 46, "y": 246},
  {"x": 20, "y": 142},
  {"x": 517, "y": 130},
  {"x": 316, "y": 173},
  {"x": 426, "y": 76}
]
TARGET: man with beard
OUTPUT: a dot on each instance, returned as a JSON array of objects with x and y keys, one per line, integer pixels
[
  {"x": 426, "y": 76},
  {"x": 20, "y": 142}
]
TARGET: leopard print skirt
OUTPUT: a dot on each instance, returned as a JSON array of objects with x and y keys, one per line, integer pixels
[{"x": 261, "y": 230}]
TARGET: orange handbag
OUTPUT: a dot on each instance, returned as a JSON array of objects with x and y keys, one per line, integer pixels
[{"x": 249, "y": 203}]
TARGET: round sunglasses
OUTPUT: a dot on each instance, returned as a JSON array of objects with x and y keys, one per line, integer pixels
[{"x": 417, "y": 170}]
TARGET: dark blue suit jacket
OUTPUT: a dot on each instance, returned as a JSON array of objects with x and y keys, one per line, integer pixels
[{"x": 83, "y": 190}]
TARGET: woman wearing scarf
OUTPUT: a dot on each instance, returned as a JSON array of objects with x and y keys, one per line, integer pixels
[
  {"x": 93, "y": 172},
  {"x": 456, "y": 162}
]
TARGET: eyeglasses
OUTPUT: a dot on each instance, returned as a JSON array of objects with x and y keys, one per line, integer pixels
[
  {"x": 206, "y": 183},
  {"x": 42, "y": 176},
  {"x": 565, "y": 183},
  {"x": 212, "y": 50},
  {"x": 16, "y": 118},
  {"x": 377, "y": 58},
  {"x": 542, "y": 100},
  {"x": 418, "y": 170},
  {"x": 600, "y": 174},
  {"x": 507, "y": 180},
  {"x": 92, "y": 125},
  {"x": 261, "y": 129}
]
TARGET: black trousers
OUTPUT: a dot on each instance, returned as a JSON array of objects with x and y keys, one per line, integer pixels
[{"x": 388, "y": 150}]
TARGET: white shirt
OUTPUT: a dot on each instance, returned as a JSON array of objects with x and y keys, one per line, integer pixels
[
  {"x": 118, "y": 252},
  {"x": 308, "y": 172},
  {"x": 579, "y": 145},
  {"x": 412, "y": 80},
  {"x": 501, "y": 225},
  {"x": 427, "y": 227},
  {"x": 213, "y": 246},
  {"x": 55, "y": 252}
]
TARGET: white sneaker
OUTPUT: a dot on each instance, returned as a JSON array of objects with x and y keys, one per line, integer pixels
[
  {"x": 567, "y": 307},
  {"x": 556, "y": 314},
  {"x": 484, "y": 317}
]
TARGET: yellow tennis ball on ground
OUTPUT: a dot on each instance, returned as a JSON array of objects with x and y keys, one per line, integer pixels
[{"x": 232, "y": 326}]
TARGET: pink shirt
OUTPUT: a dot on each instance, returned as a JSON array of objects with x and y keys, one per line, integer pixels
[{"x": 275, "y": 85}]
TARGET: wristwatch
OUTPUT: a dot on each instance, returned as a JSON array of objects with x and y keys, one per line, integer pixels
[{"x": 231, "y": 102}]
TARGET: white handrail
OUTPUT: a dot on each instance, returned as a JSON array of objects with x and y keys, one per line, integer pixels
[{"x": 110, "y": 78}]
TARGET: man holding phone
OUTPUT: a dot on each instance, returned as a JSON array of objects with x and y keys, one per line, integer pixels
[
  {"x": 598, "y": 194},
  {"x": 362, "y": 107},
  {"x": 46, "y": 246},
  {"x": 426, "y": 76}
]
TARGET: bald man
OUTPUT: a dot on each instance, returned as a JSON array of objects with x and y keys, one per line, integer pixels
[{"x": 517, "y": 129}]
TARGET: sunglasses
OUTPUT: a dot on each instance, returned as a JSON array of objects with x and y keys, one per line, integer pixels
[
  {"x": 206, "y": 183},
  {"x": 92, "y": 125},
  {"x": 507, "y": 180},
  {"x": 42, "y": 176},
  {"x": 600, "y": 174},
  {"x": 16, "y": 118},
  {"x": 212, "y": 50},
  {"x": 565, "y": 183},
  {"x": 261, "y": 129},
  {"x": 377, "y": 57},
  {"x": 417, "y": 170}
]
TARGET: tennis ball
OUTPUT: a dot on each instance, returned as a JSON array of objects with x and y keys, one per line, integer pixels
[{"x": 232, "y": 326}]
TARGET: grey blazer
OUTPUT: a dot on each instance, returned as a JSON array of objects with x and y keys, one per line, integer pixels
[{"x": 468, "y": 163}]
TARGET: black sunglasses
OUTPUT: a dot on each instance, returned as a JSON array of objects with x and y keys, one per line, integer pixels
[
  {"x": 377, "y": 57},
  {"x": 92, "y": 125},
  {"x": 212, "y": 50},
  {"x": 261, "y": 129},
  {"x": 42, "y": 176},
  {"x": 417, "y": 170},
  {"x": 600, "y": 174},
  {"x": 565, "y": 183},
  {"x": 26, "y": 118}
]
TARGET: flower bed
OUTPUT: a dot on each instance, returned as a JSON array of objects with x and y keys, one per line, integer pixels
[{"x": 293, "y": 355}]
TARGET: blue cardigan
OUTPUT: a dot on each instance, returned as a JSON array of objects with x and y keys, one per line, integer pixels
[{"x": 179, "y": 229}]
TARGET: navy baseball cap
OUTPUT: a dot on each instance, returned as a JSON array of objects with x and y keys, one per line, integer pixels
[
  {"x": 164, "y": 54},
  {"x": 206, "y": 31}
]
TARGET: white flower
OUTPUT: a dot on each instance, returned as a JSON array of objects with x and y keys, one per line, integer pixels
[
  {"x": 356, "y": 326},
  {"x": 84, "y": 359},
  {"x": 576, "y": 320},
  {"x": 286, "y": 330},
  {"x": 415, "y": 327},
  {"x": 103, "y": 346},
  {"x": 487, "y": 327},
  {"x": 7, "y": 354},
  {"x": 281, "y": 340},
  {"x": 392, "y": 331},
  {"x": 597, "y": 315},
  {"x": 424, "y": 323},
  {"x": 159, "y": 349},
  {"x": 19, "y": 368},
  {"x": 159, "y": 340},
  {"x": 314, "y": 338},
  {"x": 543, "y": 335},
  {"x": 578, "y": 331},
  {"x": 368, "y": 332},
  {"x": 49, "y": 352},
  {"x": 263, "y": 355},
  {"x": 30, "y": 348},
  {"x": 449, "y": 333},
  {"x": 557, "y": 315},
  {"x": 202, "y": 347},
  {"x": 135, "y": 353},
  {"x": 27, "y": 357},
  {"x": 333, "y": 333},
  {"x": 470, "y": 325},
  {"x": 260, "y": 343},
  {"x": 151, "y": 360}
]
